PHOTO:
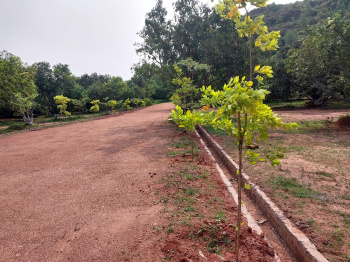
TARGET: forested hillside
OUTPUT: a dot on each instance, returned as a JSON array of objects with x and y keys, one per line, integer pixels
[{"x": 296, "y": 16}]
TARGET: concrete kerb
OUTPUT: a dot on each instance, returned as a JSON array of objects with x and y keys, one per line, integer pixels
[
  {"x": 300, "y": 246},
  {"x": 250, "y": 219}
]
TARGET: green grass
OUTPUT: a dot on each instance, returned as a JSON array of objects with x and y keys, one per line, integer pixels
[
  {"x": 67, "y": 119},
  {"x": 303, "y": 104},
  {"x": 14, "y": 125},
  {"x": 335, "y": 104},
  {"x": 325, "y": 174},
  {"x": 345, "y": 216},
  {"x": 291, "y": 186},
  {"x": 346, "y": 197},
  {"x": 309, "y": 127},
  {"x": 160, "y": 101},
  {"x": 298, "y": 104}
]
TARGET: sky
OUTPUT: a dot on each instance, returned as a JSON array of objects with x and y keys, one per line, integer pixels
[{"x": 88, "y": 35}]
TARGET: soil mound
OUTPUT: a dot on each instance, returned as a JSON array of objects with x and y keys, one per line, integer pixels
[{"x": 343, "y": 121}]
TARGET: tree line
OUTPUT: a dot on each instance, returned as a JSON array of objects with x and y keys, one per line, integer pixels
[
  {"x": 198, "y": 32},
  {"x": 43, "y": 89}
]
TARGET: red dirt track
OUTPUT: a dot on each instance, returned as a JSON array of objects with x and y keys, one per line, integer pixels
[{"x": 83, "y": 192}]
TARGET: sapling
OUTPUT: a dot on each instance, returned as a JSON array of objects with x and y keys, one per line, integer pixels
[
  {"x": 126, "y": 104},
  {"x": 189, "y": 121},
  {"x": 95, "y": 107},
  {"x": 111, "y": 104},
  {"x": 188, "y": 94},
  {"x": 61, "y": 102},
  {"x": 241, "y": 109}
]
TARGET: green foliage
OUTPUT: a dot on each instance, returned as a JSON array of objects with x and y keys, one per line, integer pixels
[
  {"x": 239, "y": 98},
  {"x": 17, "y": 88},
  {"x": 254, "y": 29},
  {"x": 44, "y": 80},
  {"x": 311, "y": 65},
  {"x": 188, "y": 94},
  {"x": 80, "y": 104},
  {"x": 95, "y": 107},
  {"x": 241, "y": 109},
  {"x": 321, "y": 64},
  {"x": 136, "y": 102},
  {"x": 126, "y": 104},
  {"x": 188, "y": 120},
  {"x": 111, "y": 104},
  {"x": 168, "y": 42},
  {"x": 61, "y": 102}
]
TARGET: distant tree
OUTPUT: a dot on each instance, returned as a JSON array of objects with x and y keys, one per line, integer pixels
[
  {"x": 62, "y": 102},
  {"x": 156, "y": 35},
  {"x": 17, "y": 88},
  {"x": 142, "y": 78},
  {"x": 88, "y": 80},
  {"x": 79, "y": 105},
  {"x": 115, "y": 89},
  {"x": 95, "y": 107},
  {"x": 291, "y": 37},
  {"x": 188, "y": 79},
  {"x": 64, "y": 81},
  {"x": 321, "y": 65},
  {"x": 44, "y": 80}
]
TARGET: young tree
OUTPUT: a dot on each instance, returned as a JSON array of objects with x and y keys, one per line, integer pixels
[
  {"x": 95, "y": 108},
  {"x": 188, "y": 94},
  {"x": 111, "y": 104},
  {"x": 80, "y": 104},
  {"x": 61, "y": 102},
  {"x": 241, "y": 109}
]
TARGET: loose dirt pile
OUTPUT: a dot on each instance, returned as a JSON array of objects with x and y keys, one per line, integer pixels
[{"x": 343, "y": 121}]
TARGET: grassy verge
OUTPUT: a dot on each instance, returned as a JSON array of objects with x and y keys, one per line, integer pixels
[
  {"x": 17, "y": 124},
  {"x": 305, "y": 104},
  {"x": 312, "y": 184}
]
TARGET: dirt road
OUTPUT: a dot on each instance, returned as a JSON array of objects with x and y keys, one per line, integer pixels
[{"x": 83, "y": 192}]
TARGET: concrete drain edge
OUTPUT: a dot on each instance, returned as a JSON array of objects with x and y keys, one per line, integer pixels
[
  {"x": 300, "y": 246},
  {"x": 250, "y": 219}
]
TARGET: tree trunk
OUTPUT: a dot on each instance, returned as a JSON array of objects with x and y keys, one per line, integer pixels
[{"x": 28, "y": 117}]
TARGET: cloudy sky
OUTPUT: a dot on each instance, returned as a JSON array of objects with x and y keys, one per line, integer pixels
[{"x": 88, "y": 35}]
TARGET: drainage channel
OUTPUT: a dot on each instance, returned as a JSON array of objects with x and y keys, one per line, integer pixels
[{"x": 298, "y": 244}]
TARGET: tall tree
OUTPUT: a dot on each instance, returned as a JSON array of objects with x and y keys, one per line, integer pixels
[
  {"x": 64, "y": 81},
  {"x": 17, "y": 88},
  {"x": 321, "y": 64},
  {"x": 44, "y": 80},
  {"x": 156, "y": 35}
]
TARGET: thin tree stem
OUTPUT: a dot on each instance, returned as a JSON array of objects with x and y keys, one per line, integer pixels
[{"x": 240, "y": 147}]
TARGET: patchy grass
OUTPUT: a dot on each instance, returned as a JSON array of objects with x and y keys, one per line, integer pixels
[
  {"x": 290, "y": 185},
  {"x": 298, "y": 104},
  {"x": 303, "y": 104},
  {"x": 346, "y": 197}
]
